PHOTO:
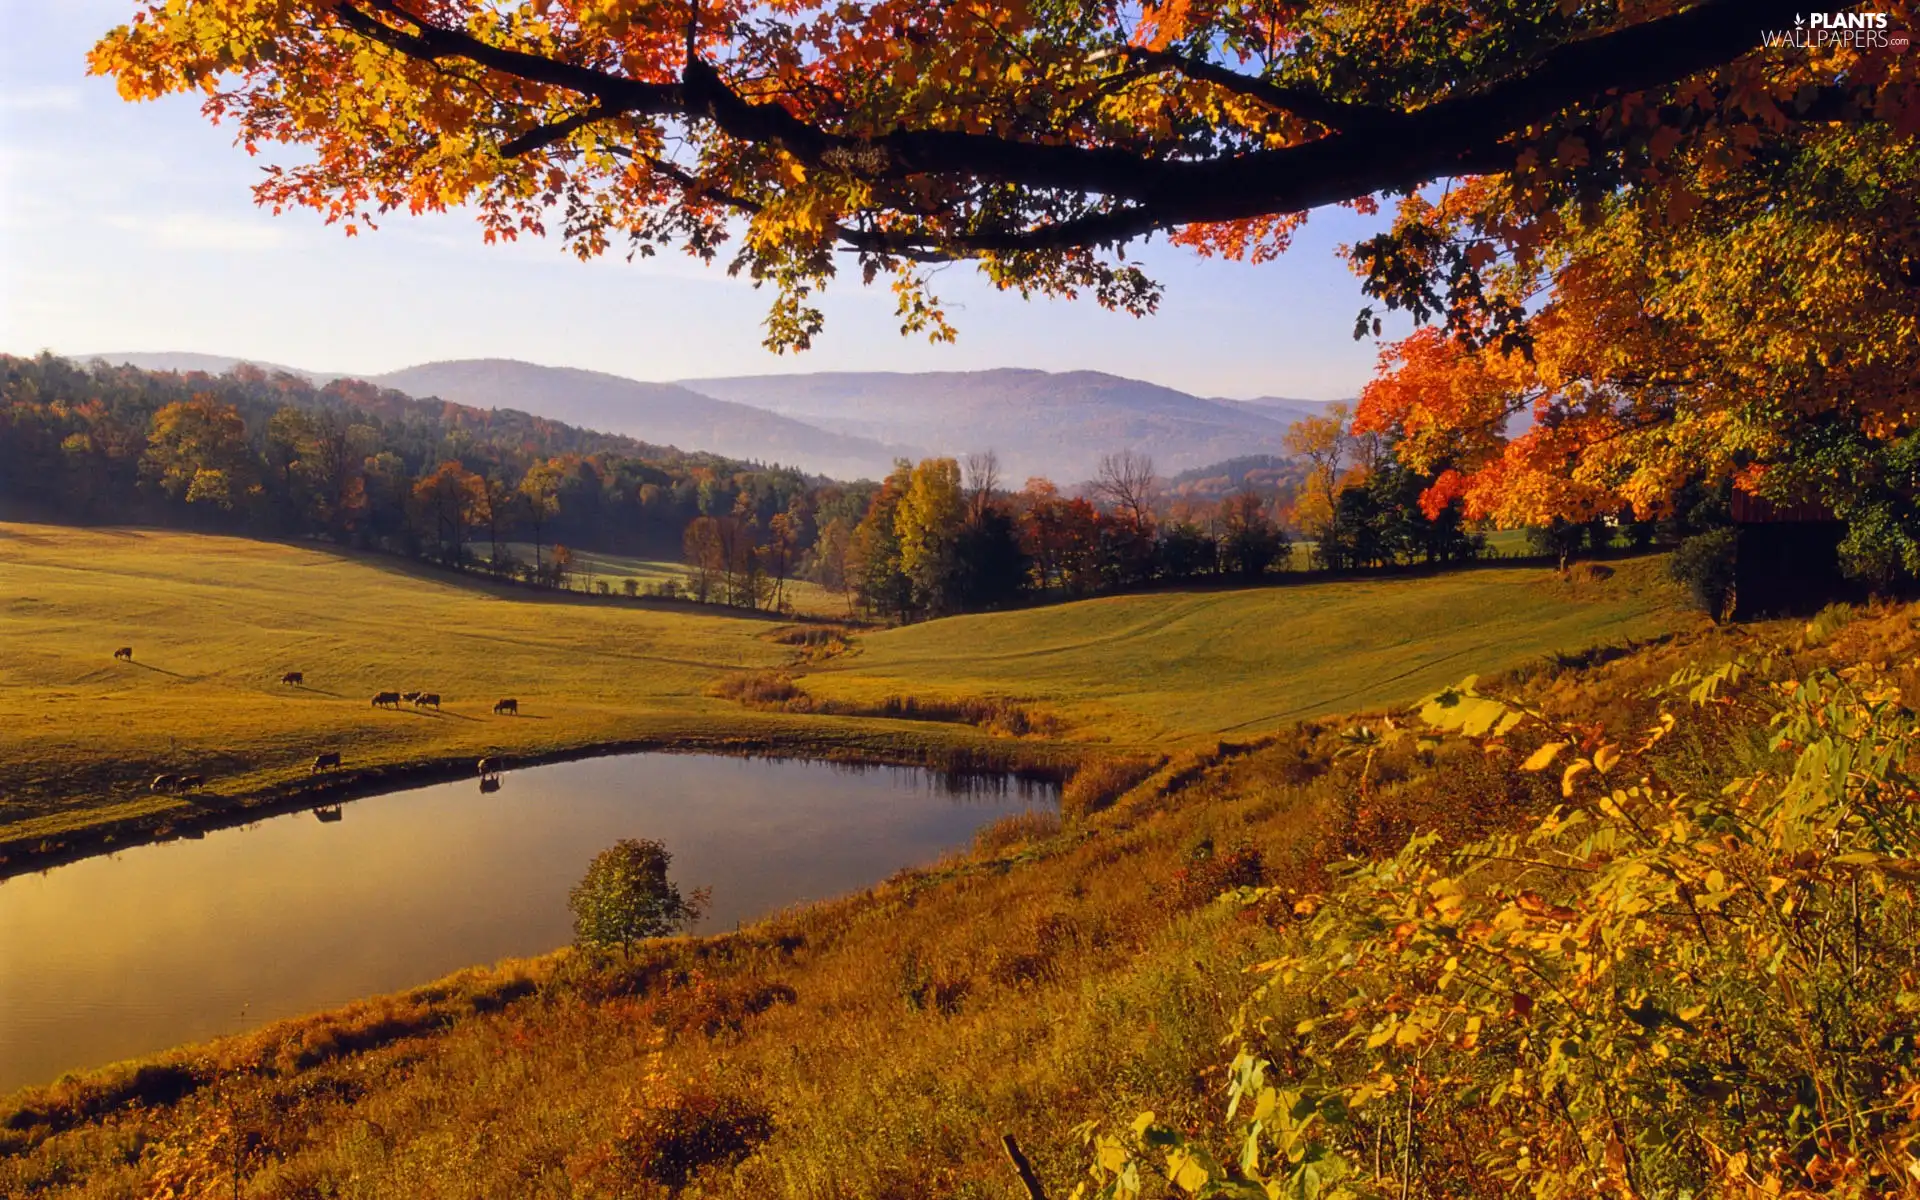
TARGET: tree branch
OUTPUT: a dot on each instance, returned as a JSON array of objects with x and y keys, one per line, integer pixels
[
  {"x": 1310, "y": 106},
  {"x": 1369, "y": 152}
]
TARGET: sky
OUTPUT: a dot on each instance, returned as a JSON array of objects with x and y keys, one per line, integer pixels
[{"x": 130, "y": 227}]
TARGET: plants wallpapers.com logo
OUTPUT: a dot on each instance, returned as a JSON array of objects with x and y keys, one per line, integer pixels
[{"x": 1838, "y": 30}]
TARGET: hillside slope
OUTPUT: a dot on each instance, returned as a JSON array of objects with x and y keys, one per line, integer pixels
[{"x": 1181, "y": 664}]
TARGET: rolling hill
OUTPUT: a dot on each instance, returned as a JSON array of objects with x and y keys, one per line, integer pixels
[{"x": 655, "y": 412}]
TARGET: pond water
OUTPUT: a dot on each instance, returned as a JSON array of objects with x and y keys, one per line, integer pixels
[{"x": 113, "y": 957}]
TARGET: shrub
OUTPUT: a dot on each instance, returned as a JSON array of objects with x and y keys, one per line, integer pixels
[
  {"x": 1704, "y": 563},
  {"x": 1208, "y": 874},
  {"x": 630, "y": 586},
  {"x": 680, "y": 1134},
  {"x": 763, "y": 689},
  {"x": 1015, "y": 829},
  {"x": 1096, "y": 785},
  {"x": 1649, "y": 991},
  {"x": 626, "y": 896}
]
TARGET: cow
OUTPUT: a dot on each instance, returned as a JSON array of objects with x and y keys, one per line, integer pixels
[
  {"x": 163, "y": 783},
  {"x": 123, "y": 654},
  {"x": 187, "y": 783},
  {"x": 322, "y": 761},
  {"x": 509, "y": 705},
  {"x": 410, "y": 697},
  {"x": 427, "y": 700},
  {"x": 386, "y": 698},
  {"x": 293, "y": 677},
  {"x": 492, "y": 766}
]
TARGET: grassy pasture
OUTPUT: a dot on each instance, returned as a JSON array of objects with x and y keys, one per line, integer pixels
[
  {"x": 1171, "y": 666},
  {"x": 215, "y": 621}
]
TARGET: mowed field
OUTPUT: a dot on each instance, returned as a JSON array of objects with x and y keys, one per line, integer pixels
[
  {"x": 215, "y": 621},
  {"x": 1172, "y": 665}
]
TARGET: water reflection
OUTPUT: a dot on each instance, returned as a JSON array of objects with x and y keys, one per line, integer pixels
[{"x": 157, "y": 945}]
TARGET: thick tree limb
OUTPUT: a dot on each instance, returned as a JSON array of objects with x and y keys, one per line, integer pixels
[{"x": 1369, "y": 151}]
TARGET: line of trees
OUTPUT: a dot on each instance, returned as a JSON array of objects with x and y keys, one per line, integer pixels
[{"x": 942, "y": 536}]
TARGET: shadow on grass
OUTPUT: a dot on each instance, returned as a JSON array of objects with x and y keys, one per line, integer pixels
[{"x": 159, "y": 670}]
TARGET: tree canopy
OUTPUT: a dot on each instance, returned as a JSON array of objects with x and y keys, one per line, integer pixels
[{"x": 1039, "y": 138}]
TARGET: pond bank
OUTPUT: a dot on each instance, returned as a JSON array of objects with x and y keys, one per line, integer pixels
[{"x": 23, "y": 854}]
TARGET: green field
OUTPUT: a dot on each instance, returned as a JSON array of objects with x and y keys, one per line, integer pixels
[
  {"x": 215, "y": 622},
  {"x": 1169, "y": 665}
]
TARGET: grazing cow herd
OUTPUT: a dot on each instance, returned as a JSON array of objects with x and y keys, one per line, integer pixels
[{"x": 490, "y": 768}]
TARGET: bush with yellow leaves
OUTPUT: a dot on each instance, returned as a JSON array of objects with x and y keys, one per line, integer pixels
[{"x": 1645, "y": 993}]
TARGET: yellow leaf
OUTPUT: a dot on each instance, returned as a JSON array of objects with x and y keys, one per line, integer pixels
[
  {"x": 1187, "y": 1174},
  {"x": 1605, "y": 757},
  {"x": 1575, "y": 770},
  {"x": 1543, "y": 758}
]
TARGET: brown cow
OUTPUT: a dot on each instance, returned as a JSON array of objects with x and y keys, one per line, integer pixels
[
  {"x": 427, "y": 700},
  {"x": 187, "y": 783},
  {"x": 123, "y": 654},
  {"x": 163, "y": 783},
  {"x": 509, "y": 705},
  {"x": 409, "y": 697},
  {"x": 322, "y": 761},
  {"x": 491, "y": 766},
  {"x": 293, "y": 677},
  {"x": 386, "y": 698}
]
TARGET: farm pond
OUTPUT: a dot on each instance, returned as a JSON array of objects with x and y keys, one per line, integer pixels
[{"x": 128, "y": 954}]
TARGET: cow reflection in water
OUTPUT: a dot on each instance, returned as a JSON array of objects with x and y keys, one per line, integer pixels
[
  {"x": 326, "y": 813},
  {"x": 490, "y": 784}
]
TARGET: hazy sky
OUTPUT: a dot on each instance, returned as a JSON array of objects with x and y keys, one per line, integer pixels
[{"x": 131, "y": 227}]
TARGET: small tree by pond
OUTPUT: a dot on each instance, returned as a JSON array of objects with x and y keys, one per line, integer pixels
[{"x": 626, "y": 896}]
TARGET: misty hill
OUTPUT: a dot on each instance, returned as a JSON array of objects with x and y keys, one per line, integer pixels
[
  {"x": 212, "y": 364},
  {"x": 661, "y": 413},
  {"x": 1040, "y": 422}
]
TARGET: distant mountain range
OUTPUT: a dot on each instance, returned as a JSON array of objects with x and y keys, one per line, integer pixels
[{"x": 851, "y": 424}]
